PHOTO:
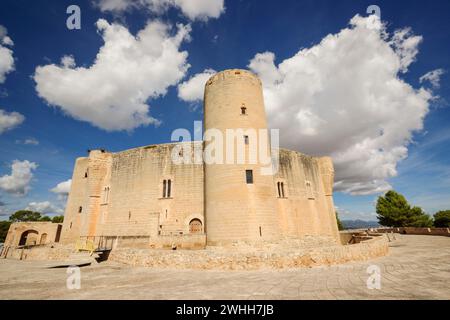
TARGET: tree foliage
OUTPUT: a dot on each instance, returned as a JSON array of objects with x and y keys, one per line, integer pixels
[
  {"x": 4, "y": 227},
  {"x": 339, "y": 223},
  {"x": 25, "y": 215},
  {"x": 58, "y": 219},
  {"x": 442, "y": 219},
  {"x": 394, "y": 211}
]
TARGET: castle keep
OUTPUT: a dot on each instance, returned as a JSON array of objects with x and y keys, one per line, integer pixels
[{"x": 141, "y": 193}]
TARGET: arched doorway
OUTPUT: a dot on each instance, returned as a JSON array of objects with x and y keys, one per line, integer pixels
[
  {"x": 28, "y": 237},
  {"x": 195, "y": 226},
  {"x": 43, "y": 238}
]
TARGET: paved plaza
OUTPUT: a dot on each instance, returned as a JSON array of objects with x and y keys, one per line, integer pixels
[{"x": 417, "y": 267}]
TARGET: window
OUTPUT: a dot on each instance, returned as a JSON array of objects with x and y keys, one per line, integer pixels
[
  {"x": 106, "y": 195},
  {"x": 243, "y": 110},
  {"x": 280, "y": 187},
  {"x": 249, "y": 176},
  {"x": 167, "y": 188},
  {"x": 309, "y": 190},
  {"x": 246, "y": 139},
  {"x": 164, "y": 188},
  {"x": 80, "y": 209},
  {"x": 86, "y": 174}
]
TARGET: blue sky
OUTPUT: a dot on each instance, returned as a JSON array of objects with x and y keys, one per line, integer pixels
[{"x": 231, "y": 40}]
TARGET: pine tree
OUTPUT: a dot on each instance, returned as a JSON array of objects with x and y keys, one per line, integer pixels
[{"x": 394, "y": 211}]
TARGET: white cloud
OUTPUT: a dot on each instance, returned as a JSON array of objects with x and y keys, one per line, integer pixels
[
  {"x": 44, "y": 207},
  {"x": 128, "y": 71},
  {"x": 193, "y": 9},
  {"x": 434, "y": 77},
  {"x": 193, "y": 89},
  {"x": 62, "y": 188},
  {"x": 18, "y": 182},
  {"x": 9, "y": 120},
  {"x": 343, "y": 97},
  {"x": 29, "y": 141},
  {"x": 6, "y": 54}
]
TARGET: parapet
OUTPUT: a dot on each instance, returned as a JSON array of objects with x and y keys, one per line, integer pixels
[{"x": 233, "y": 74}]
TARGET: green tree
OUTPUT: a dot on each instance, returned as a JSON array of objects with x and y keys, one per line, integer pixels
[
  {"x": 442, "y": 219},
  {"x": 339, "y": 223},
  {"x": 58, "y": 219},
  {"x": 4, "y": 227},
  {"x": 25, "y": 215},
  {"x": 394, "y": 211},
  {"x": 45, "y": 219}
]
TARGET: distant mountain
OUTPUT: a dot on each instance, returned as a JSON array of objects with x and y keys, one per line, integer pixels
[{"x": 359, "y": 224}]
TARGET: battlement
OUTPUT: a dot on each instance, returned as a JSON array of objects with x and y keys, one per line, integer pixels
[{"x": 233, "y": 74}]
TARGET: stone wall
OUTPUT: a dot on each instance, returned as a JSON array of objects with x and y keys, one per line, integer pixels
[
  {"x": 121, "y": 194},
  {"x": 32, "y": 233},
  {"x": 231, "y": 259},
  {"x": 419, "y": 231},
  {"x": 307, "y": 207},
  {"x": 188, "y": 241},
  {"x": 54, "y": 252}
]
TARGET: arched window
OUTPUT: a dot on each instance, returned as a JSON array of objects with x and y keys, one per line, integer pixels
[
  {"x": 80, "y": 209},
  {"x": 195, "y": 226},
  {"x": 43, "y": 238}
]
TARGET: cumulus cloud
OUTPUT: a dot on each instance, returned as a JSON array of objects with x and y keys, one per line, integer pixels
[
  {"x": 62, "y": 189},
  {"x": 434, "y": 77},
  {"x": 9, "y": 120},
  {"x": 193, "y": 9},
  {"x": 112, "y": 94},
  {"x": 193, "y": 89},
  {"x": 18, "y": 182},
  {"x": 44, "y": 207},
  {"x": 343, "y": 97},
  {"x": 6, "y": 54}
]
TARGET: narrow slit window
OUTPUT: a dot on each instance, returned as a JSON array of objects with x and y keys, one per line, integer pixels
[
  {"x": 249, "y": 176},
  {"x": 80, "y": 209},
  {"x": 282, "y": 189},
  {"x": 164, "y": 188},
  {"x": 169, "y": 188},
  {"x": 246, "y": 139},
  {"x": 243, "y": 109},
  {"x": 279, "y": 191}
]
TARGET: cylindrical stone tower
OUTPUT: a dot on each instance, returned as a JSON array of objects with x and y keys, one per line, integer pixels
[{"x": 240, "y": 202}]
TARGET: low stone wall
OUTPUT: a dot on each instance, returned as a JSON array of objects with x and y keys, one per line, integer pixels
[
  {"x": 185, "y": 241},
  {"x": 54, "y": 252},
  {"x": 418, "y": 231},
  {"x": 226, "y": 259},
  {"x": 139, "y": 242}
]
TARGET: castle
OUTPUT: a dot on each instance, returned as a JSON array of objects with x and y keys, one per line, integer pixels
[
  {"x": 142, "y": 193},
  {"x": 141, "y": 196}
]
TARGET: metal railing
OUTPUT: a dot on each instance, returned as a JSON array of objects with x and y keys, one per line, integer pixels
[{"x": 92, "y": 244}]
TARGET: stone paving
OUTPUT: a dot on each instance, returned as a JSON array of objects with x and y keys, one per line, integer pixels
[{"x": 418, "y": 267}]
